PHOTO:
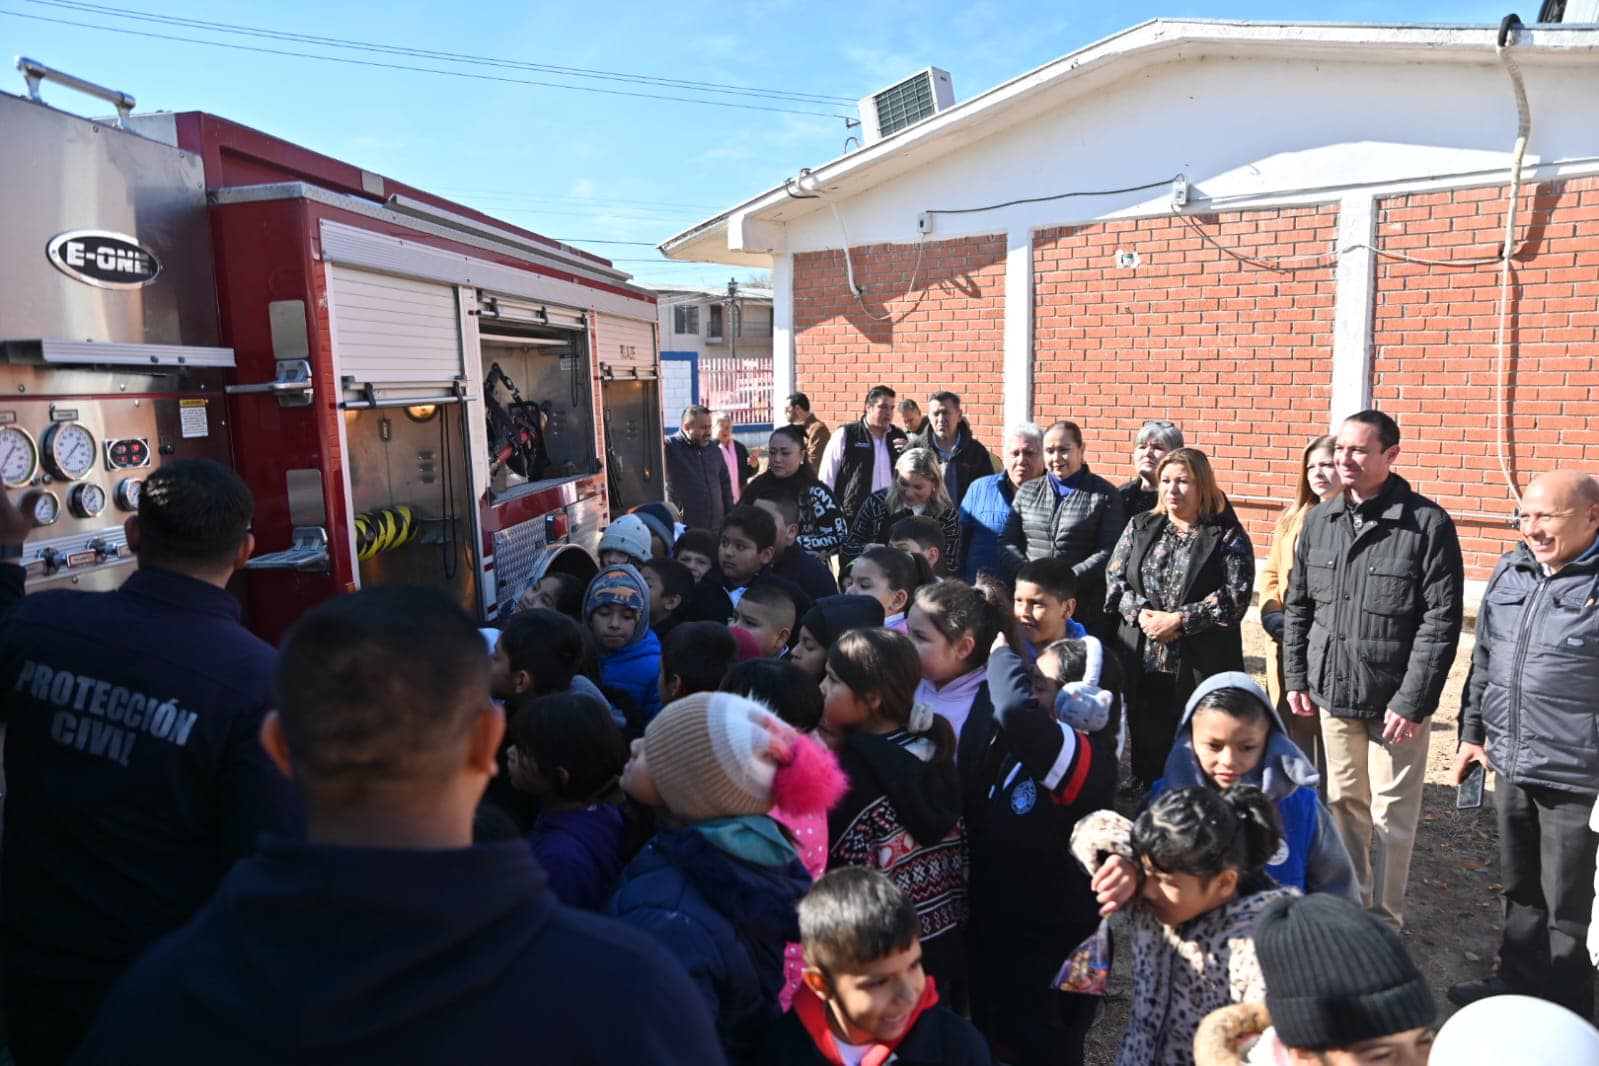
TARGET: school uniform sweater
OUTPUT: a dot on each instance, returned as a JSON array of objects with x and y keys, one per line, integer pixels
[
  {"x": 1027, "y": 780},
  {"x": 902, "y": 818}
]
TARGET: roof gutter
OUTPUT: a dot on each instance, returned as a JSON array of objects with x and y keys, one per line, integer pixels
[{"x": 745, "y": 235}]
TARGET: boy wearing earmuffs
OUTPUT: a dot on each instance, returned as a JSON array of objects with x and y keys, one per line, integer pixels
[{"x": 1052, "y": 760}]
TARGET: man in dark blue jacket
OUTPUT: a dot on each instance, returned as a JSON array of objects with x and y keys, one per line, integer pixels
[
  {"x": 131, "y": 758},
  {"x": 1528, "y": 714},
  {"x": 388, "y": 937},
  {"x": 697, "y": 482}
]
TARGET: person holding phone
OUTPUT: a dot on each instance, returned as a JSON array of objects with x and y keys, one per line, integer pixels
[{"x": 1528, "y": 715}]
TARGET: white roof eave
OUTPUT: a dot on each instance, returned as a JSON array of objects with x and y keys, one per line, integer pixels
[{"x": 1155, "y": 41}]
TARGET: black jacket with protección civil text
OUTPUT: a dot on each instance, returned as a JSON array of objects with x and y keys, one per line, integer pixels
[{"x": 134, "y": 772}]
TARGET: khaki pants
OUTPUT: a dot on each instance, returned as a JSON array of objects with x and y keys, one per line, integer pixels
[{"x": 1374, "y": 791}]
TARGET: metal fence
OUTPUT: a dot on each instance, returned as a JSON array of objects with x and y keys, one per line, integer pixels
[{"x": 739, "y": 385}]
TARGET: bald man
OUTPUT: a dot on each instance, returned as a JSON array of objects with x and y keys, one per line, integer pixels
[{"x": 1530, "y": 715}]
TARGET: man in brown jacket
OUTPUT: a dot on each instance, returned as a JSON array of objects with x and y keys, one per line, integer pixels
[{"x": 816, "y": 431}]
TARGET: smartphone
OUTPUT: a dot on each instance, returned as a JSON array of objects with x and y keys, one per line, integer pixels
[{"x": 1469, "y": 794}]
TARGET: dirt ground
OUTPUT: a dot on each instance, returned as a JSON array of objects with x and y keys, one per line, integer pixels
[{"x": 1452, "y": 909}]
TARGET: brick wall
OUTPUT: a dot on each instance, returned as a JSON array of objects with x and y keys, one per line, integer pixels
[
  {"x": 1434, "y": 346},
  {"x": 946, "y": 333},
  {"x": 1236, "y": 353}
]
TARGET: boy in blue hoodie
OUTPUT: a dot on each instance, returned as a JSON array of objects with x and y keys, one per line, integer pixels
[
  {"x": 721, "y": 890},
  {"x": 386, "y": 936},
  {"x": 616, "y": 609},
  {"x": 1230, "y": 735}
]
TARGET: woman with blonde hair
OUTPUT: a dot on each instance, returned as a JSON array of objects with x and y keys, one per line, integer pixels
[
  {"x": 1318, "y": 481},
  {"x": 917, "y": 489},
  {"x": 1179, "y": 582}
]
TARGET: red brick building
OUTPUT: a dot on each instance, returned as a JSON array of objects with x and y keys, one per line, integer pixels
[{"x": 1339, "y": 246}]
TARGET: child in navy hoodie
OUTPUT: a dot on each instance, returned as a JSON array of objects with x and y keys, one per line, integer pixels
[
  {"x": 866, "y": 998},
  {"x": 617, "y": 611},
  {"x": 720, "y": 890},
  {"x": 1042, "y": 758},
  {"x": 1230, "y": 735},
  {"x": 567, "y": 753}
]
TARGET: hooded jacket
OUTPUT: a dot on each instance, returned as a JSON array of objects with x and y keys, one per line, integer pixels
[
  {"x": 721, "y": 896},
  {"x": 902, "y": 818},
  {"x": 1312, "y": 857},
  {"x": 635, "y": 667},
  {"x": 1180, "y": 973},
  {"x": 313, "y": 954}
]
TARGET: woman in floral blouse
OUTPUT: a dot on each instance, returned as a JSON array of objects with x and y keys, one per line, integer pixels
[{"x": 1179, "y": 580}]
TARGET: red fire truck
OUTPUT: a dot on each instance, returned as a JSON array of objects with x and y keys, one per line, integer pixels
[{"x": 414, "y": 391}]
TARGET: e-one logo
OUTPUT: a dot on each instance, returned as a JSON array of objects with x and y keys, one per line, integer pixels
[{"x": 103, "y": 259}]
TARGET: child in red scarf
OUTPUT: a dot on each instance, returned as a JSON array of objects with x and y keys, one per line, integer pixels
[{"x": 866, "y": 1000}]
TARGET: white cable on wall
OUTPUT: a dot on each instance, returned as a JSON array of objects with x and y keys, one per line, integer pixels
[
  {"x": 808, "y": 183},
  {"x": 1523, "y": 131}
]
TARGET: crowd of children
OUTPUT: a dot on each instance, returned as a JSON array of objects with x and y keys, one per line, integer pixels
[{"x": 877, "y": 824}]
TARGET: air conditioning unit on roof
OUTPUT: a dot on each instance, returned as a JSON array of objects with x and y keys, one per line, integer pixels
[{"x": 918, "y": 97}]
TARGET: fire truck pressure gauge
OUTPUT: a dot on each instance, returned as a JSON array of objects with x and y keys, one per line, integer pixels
[
  {"x": 69, "y": 451},
  {"x": 127, "y": 493},
  {"x": 19, "y": 457},
  {"x": 43, "y": 506},
  {"x": 87, "y": 500}
]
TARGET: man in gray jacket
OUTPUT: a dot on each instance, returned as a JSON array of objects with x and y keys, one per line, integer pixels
[
  {"x": 1372, "y": 623},
  {"x": 697, "y": 482},
  {"x": 1529, "y": 715}
]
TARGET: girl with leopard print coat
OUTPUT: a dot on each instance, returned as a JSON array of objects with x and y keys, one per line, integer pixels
[{"x": 1190, "y": 875}]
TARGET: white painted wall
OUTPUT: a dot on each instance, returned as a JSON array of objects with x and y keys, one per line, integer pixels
[
  {"x": 1246, "y": 132},
  {"x": 1250, "y": 128}
]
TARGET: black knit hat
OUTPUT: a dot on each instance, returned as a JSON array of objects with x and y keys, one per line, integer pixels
[
  {"x": 833, "y": 616},
  {"x": 1335, "y": 975}
]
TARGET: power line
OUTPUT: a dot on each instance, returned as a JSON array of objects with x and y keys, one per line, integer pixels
[
  {"x": 123, "y": 31},
  {"x": 524, "y": 197},
  {"x": 593, "y": 240},
  {"x": 425, "y": 53}
]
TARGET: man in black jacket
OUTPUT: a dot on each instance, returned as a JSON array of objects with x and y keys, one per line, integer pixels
[
  {"x": 1372, "y": 625},
  {"x": 860, "y": 458},
  {"x": 387, "y": 936},
  {"x": 134, "y": 775},
  {"x": 960, "y": 453},
  {"x": 1528, "y": 714},
  {"x": 697, "y": 482}
]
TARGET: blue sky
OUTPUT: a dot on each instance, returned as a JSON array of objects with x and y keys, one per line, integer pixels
[{"x": 585, "y": 166}]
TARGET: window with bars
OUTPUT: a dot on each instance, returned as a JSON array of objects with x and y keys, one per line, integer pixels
[{"x": 685, "y": 319}]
